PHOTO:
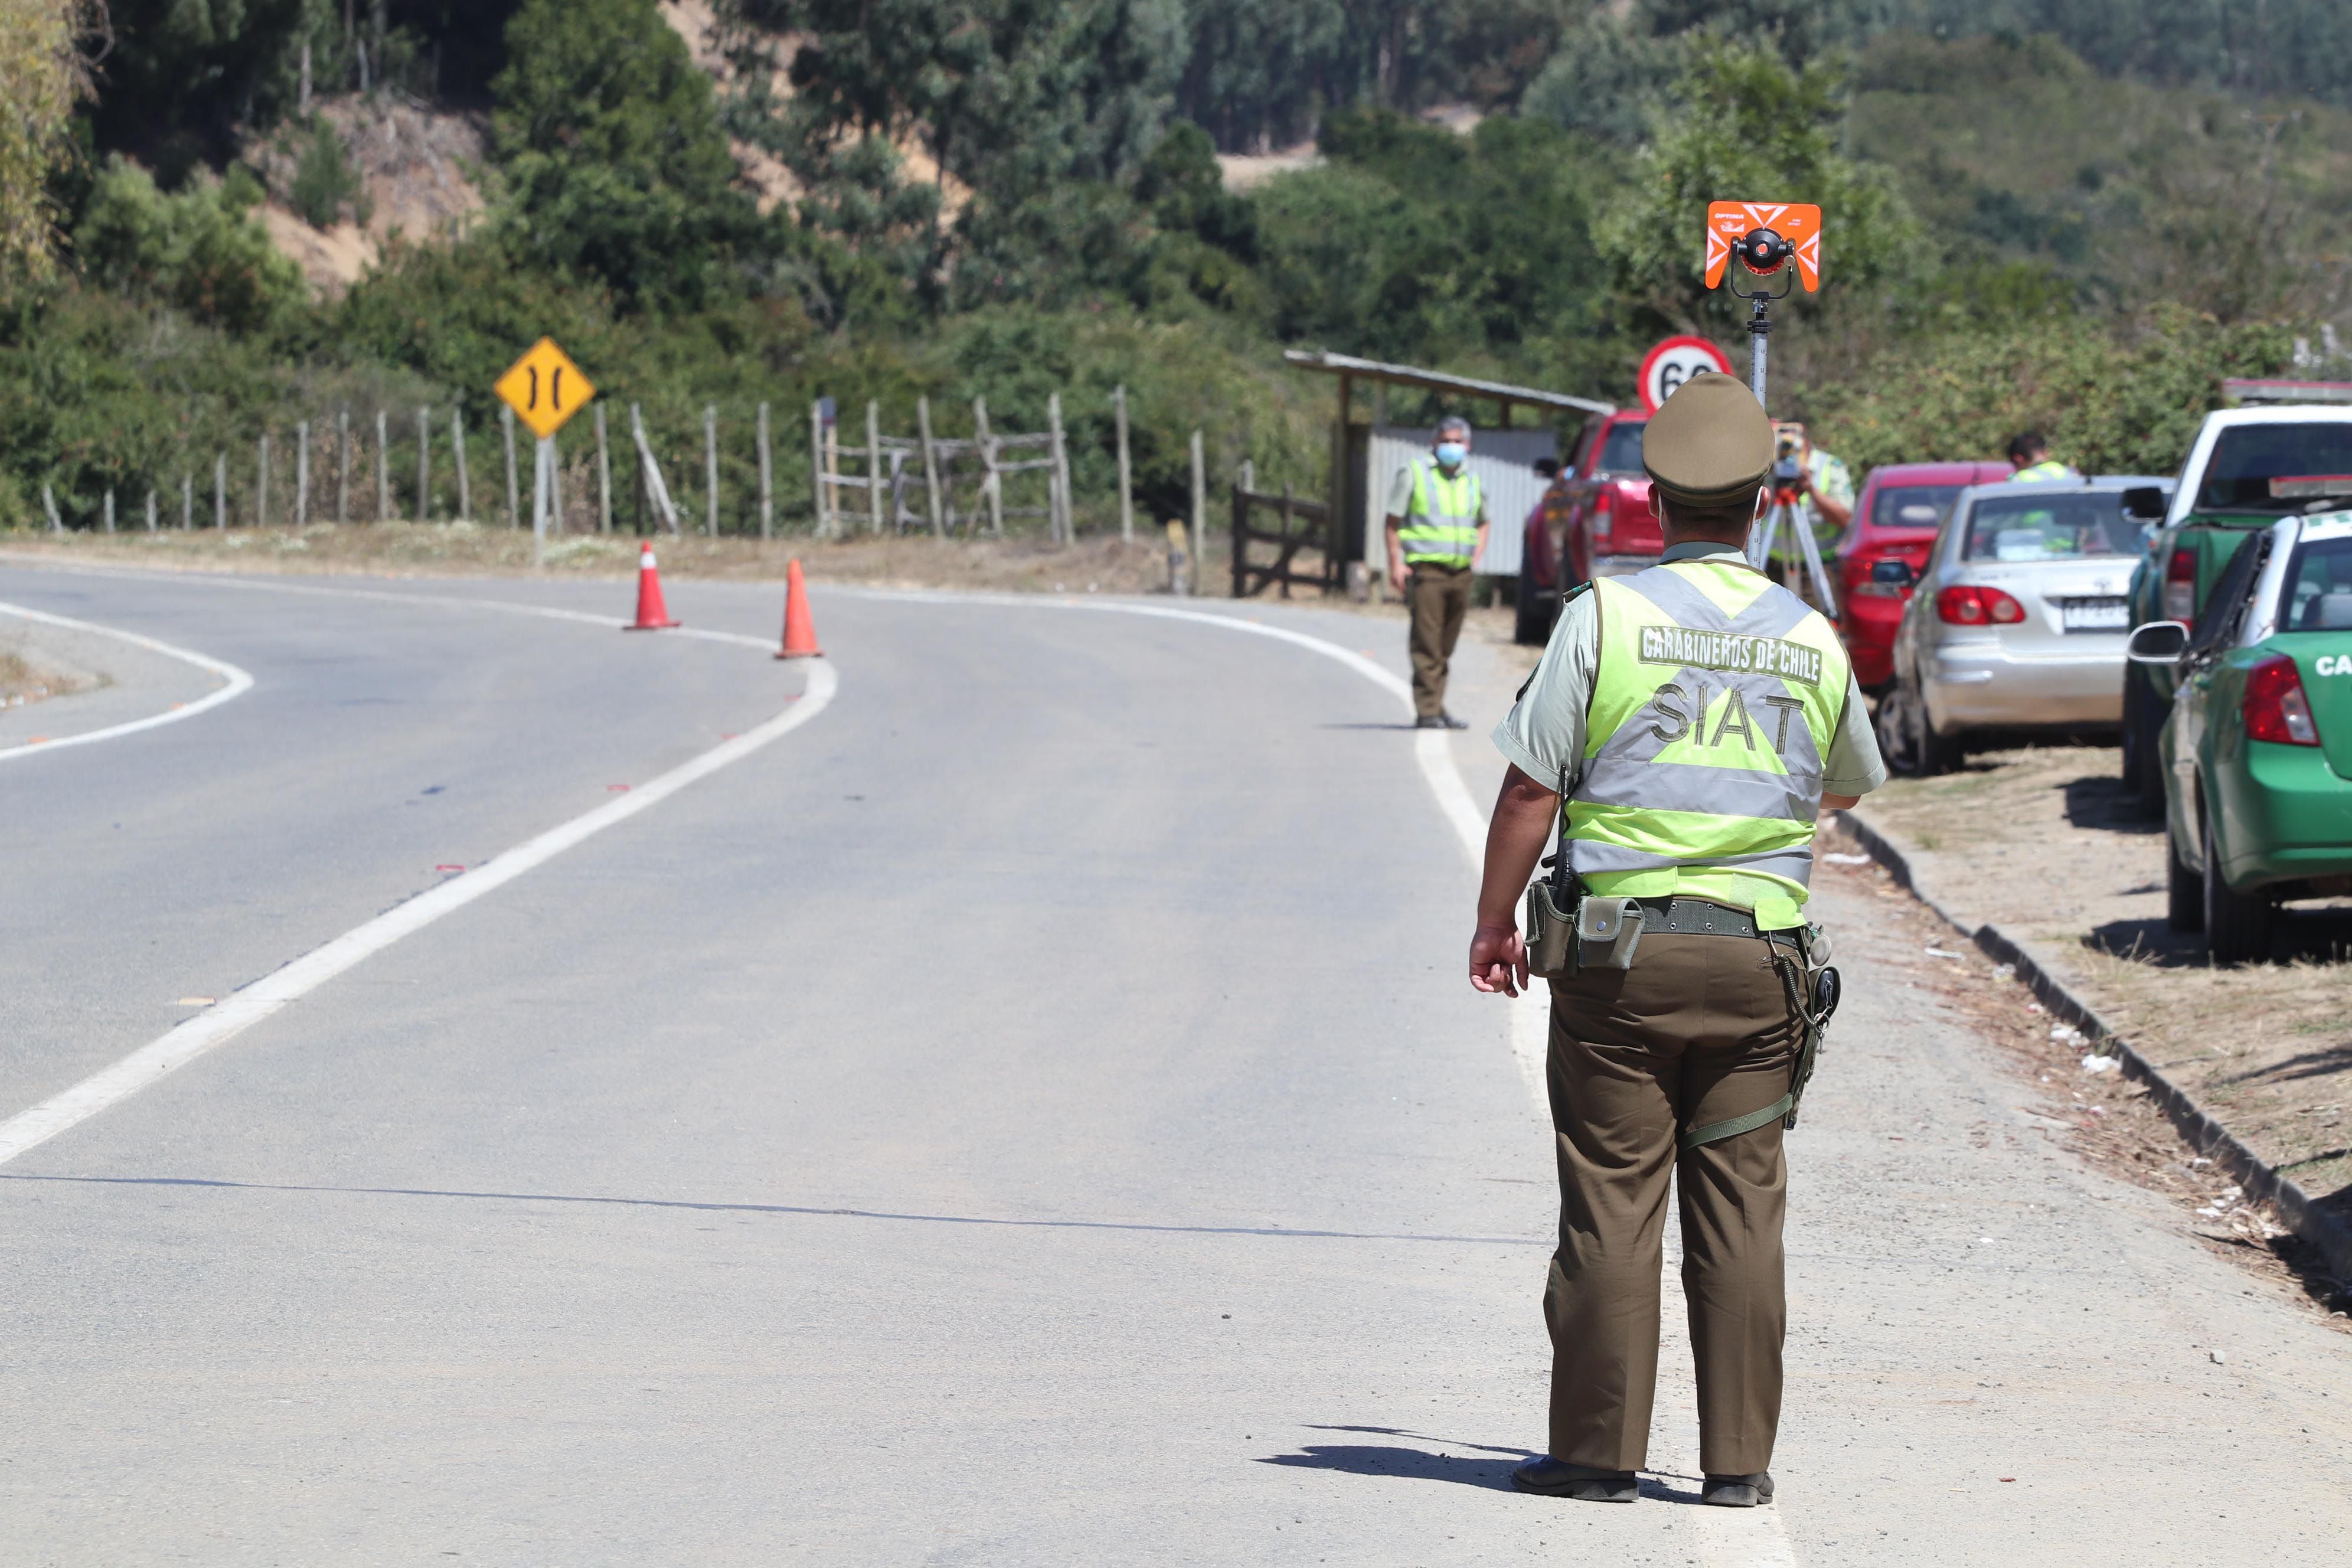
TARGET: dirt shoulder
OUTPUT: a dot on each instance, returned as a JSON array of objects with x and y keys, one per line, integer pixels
[{"x": 2044, "y": 844}]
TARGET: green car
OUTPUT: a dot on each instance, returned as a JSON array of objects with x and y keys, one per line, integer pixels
[
  {"x": 2228, "y": 490},
  {"x": 2257, "y": 753}
]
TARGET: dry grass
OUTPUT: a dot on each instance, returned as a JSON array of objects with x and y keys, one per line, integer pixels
[
  {"x": 22, "y": 681},
  {"x": 2043, "y": 843}
]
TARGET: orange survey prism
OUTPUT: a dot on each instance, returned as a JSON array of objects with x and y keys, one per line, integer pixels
[{"x": 1731, "y": 225}]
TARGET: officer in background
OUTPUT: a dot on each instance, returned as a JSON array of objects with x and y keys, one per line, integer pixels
[
  {"x": 2030, "y": 459},
  {"x": 1696, "y": 717},
  {"x": 1437, "y": 528}
]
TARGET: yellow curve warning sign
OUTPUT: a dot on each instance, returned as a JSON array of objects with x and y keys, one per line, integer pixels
[{"x": 545, "y": 388}]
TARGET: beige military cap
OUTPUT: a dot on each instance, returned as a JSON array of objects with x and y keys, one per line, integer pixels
[{"x": 1710, "y": 444}]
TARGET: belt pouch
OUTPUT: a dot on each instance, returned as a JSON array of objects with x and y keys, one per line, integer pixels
[
  {"x": 1550, "y": 928},
  {"x": 1607, "y": 932}
]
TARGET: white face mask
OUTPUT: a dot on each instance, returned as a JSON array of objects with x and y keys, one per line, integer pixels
[{"x": 1451, "y": 453}]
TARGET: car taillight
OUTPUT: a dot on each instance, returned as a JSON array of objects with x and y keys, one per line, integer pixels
[
  {"x": 1970, "y": 606},
  {"x": 2276, "y": 708},
  {"x": 2180, "y": 587},
  {"x": 1604, "y": 519}
]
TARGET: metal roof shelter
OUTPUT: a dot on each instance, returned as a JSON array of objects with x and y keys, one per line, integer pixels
[{"x": 1349, "y": 501}]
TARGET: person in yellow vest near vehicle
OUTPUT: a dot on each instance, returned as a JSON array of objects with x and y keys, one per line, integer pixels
[
  {"x": 2028, "y": 455},
  {"x": 1685, "y": 726},
  {"x": 1437, "y": 528}
]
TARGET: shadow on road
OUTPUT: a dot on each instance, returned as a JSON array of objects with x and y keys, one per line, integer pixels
[
  {"x": 2323, "y": 935},
  {"x": 2105, "y": 804},
  {"x": 1421, "y": 1465}
]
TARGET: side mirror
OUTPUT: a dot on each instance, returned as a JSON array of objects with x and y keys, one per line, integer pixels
[
  {"x": 2145, "y": 504},
  {"x": 1893, "y": 574},
  {"x": 2158, "y": 642}
]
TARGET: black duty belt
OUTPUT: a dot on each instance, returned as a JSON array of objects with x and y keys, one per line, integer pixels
[{"x": 1698, "y": 915}]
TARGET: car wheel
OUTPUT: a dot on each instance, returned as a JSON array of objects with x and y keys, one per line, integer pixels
[
  {"x": 2237, "y": 925},
  {"x": 1932, "y": 753},
  {"x": 2184, "y": 890},
  {"x": 1893, "y": 724},
  {"x": 1528, "y": 624},
  {"x": 2143, "y": 778}
]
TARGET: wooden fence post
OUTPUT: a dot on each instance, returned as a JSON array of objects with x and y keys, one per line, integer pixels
[
  {"x": 930, "y": 465},
  {"x": 49, "y": 505},
  {"x": 261, "y": 490},
  {"x": 1200, "y": 515},
  {"x": 711, "y": 469},
  {"x": 1126, "y": 470},
  {"x": 150, "y": 511},
  {"x": 383, "y": 468},
  {"x": 604, "y": 475},
  {"x": 343, "y": 466},
  {"x": 514, "y": 497},
  {"x": 874, "y": 465},
  {"x": 302, "y": 474},
  {"x": 767, "y": 481},
  {"x": 220, "y": 490},
  {"x": 993, "y": 484},
  {"x": 424, "y": 465},
  {"x": 816, "y": 458},
  {"x": 187, "y": 503},
  {"x": 110, "y": 510},
  {"x": 458, "y": 445},
  {"x": 1058, "y": 504}
]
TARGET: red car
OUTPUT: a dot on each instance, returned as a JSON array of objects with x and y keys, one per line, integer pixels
[
  {"x": 1894, "y": 520},
  {"x": 1604, "y": 524}
]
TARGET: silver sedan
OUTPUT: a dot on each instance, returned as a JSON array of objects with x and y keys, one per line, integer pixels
[{"x": 2018, "y": 621}]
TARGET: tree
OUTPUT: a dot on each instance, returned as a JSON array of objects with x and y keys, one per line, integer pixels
[
  {"x": 1747, "y": 126},
  {"x": 42, "y": 75},
  {"x": 615, "y": 165}
]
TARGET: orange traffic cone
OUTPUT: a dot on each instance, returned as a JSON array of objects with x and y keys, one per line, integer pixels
[
  {"x": 800, "y": 632},
  {"x": 652, "y": 613}
]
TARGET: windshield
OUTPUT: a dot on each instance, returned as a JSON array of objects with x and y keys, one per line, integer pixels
[
  {"x": 1912, "y": 506},
  {"x": 2319, "y": 588},
  {"x": 2249, "y": 457},
  {"x": 1621, "y": 452},
  {"x": 2070, "y": 527}
]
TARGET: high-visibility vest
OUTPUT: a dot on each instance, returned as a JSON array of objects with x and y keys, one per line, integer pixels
[
  {"x": 1718, "y": 697},
  {"x": 2046, "y": 469},
  {"x": 1441, "y": 519}
]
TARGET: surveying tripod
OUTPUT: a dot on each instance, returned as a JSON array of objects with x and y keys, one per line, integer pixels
[{"x": 1761, "y": 253}]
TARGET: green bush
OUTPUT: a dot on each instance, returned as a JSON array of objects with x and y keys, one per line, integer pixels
[
  {"x": 324, "y": 184},
  {"x": 199, "y": 248}
]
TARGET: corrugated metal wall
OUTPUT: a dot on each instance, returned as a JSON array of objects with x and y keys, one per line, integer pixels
[{"x": 1503, "y": 461}]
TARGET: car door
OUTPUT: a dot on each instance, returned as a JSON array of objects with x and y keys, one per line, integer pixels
[{"x": 2199, "y": 710}]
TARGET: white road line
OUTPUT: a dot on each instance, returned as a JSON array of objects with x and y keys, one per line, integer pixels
[
  {"x": 238, "y": 683},
  {"x": 216, "y": 1026}
]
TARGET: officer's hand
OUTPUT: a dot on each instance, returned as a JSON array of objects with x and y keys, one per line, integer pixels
[
  {"x": 1396, "y": 577},
  {"x": 1498, "y": 960}
]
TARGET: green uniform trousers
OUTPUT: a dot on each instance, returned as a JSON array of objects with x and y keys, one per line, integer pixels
[
  {"x": 1698, "y": 1031},
  {"x": 1438, "y": 597}
]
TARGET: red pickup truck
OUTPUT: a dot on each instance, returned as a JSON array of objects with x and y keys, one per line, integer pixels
[
  {"x": 1895, "y": 519},
  {"x": 1605, "y": 525}
]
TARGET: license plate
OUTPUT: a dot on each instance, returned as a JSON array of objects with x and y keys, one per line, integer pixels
[{"x": 2094, "y": 615}]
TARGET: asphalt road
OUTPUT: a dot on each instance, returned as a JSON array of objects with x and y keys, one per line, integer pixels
[{"x": 1028, "y": 1113}]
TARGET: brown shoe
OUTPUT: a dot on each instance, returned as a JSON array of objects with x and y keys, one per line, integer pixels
[{"x": 1553, "y": 1478}]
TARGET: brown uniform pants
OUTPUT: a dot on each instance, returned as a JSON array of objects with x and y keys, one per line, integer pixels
[
  {"x": 1438, "y": 597},
  {"x": 1698, "y": 1031}
]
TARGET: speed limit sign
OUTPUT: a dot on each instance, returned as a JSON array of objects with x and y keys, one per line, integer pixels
[{"x": 1675, "y": 362}]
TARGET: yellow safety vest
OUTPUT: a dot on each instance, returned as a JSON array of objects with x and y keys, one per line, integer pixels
[
  {"x": 2041, "y": 472},
  {"x": 1441, "y": 519},
  {"x": 1714, "y": 707}
]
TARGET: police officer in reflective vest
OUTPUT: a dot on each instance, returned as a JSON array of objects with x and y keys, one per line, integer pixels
[
  {"x": 1437, "y": 528},
  {"x": 2031, "y": 463},
  {"x": 1685, "y": 727}
]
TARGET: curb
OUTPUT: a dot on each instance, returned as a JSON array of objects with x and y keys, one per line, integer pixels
[{"x": 2329, "y": 1234}]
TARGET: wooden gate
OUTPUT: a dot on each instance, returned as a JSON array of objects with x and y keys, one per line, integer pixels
[{"x": 1295, "y": 529}]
